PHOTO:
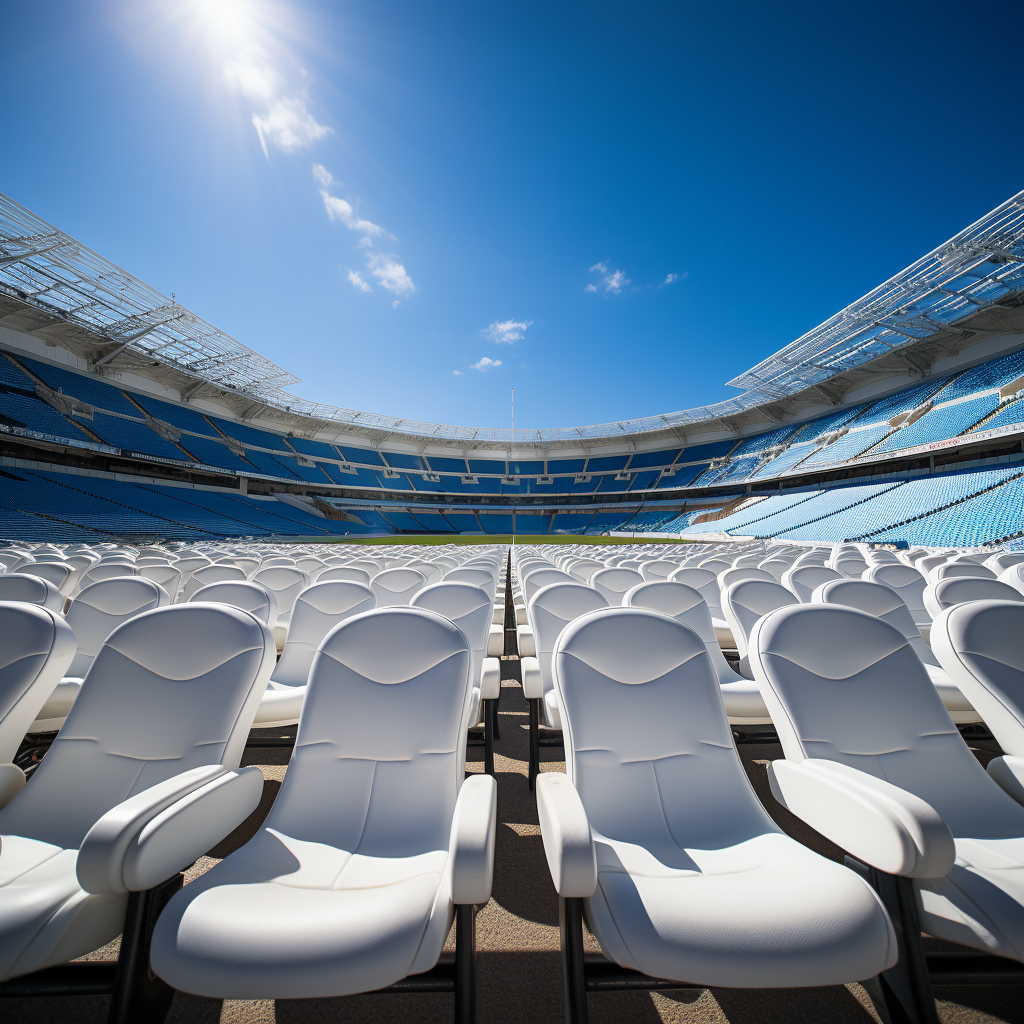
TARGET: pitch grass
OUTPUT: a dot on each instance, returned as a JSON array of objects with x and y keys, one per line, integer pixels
[{"x": 500, "y": 538}]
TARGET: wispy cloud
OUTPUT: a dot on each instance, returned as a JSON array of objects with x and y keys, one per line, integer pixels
[
  {"x": 282, "y": 119},
  {"x": 506, "y": 332},
  {"x": 356, "y": 279},
  {"x": 672, "y": 278},
  {"x": 610, "y": 282},
  {"x": 485, "y": 364},
  {"x": 458, "y": 373},
  {"x": 390, "y": 274}
]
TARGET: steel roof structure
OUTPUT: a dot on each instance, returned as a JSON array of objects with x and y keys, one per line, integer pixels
[{"x": 980, "y": 268}]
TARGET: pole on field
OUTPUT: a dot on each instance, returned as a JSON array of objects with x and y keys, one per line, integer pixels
[{"x": 510, "y": 447}]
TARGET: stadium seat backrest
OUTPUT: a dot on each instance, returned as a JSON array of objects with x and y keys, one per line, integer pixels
[
  {"x": 879, "y": 600},
  {"x": 37, "y": 649},
  {"x": 383, "y": 734},
  {"x": 1002, "y": 561},
  {"x": 960, "y": 589},
  {"x": 728, "y": 577},
  {"x": 250, "y": 597},
  {"x": 905, "y": 580},
  {"x": 778, "y": 567},
  {"x": 343, "y": 572},
  {"x": 287, "y": 583},
  {"x": 551, "y": 610},
  {"x": 544, "y": 576},
  {"x": 1013, "y": 576},
  {"x": 685, "y": 605},
  {"x": 17, "y": 586},
  {"x": 949, "y": 570},
  {"x": 746, "y": 601},
  {"x": 468, "y": 606},
  {"x": 844, "y": 686},
  {"x": 318, "y": 610},
  {"x": 211, "y": 574},
  {"x": 368, "y": 565},
  {"x": 802, "y": 580},
  {"x": 643, "y": 721},
  {"x": 979, "y": 645},
  {"x": 103, "y": 571},
  {"x": 705, "y": 582},
  {"x": 479, "y": 577},
  {"x": 166, "y": 576},
  {"x": 612, "y": 584},
  {"x": 99, "y": 609},
  {"x": 397, "y": 586},
  {"x": 171, "y": 689},
  {"x": 657, "y": 569}
]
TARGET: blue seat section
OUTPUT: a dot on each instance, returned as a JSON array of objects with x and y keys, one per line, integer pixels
[
  {"x": 921, "y": 496},
  {"x": 432, "y": 521},
  {"x": 360, "y": 456},
  {"x": 608, "y": 484},
  {"x": 13, "y": 375},
  {"x": 607, "y": 463},
  {"x": 684, "y": 476},
  {"x": 373, "y": 521},
  {"x": 441, "y": 465},
  {"x": 570, "y": 522},
  {"x": 784, "y": 461},
  {"x": 361, "y": 477},
  {"x": 213, "y": 453},
  {"x": 702, "y": 452},
  {"x": 608, "y": 521},
  {"x": 421, "y": 484},
  {"x": 648, "y": 522},
  {"x": 266, "y": 463},
  {"x": 23, "y": 409},
  {"x": 18, "y": 525},
  {"x": 755, "y": 513},
  {"x": 564, "y": 465},
  {"x": 759, "y": 442},
  {"x": 465, "y": 522},
  {"x": 734, "y": 469},
  {"x": 400, "y": 520},
  {"x": 88, "y": 388},
  {"x": 399, "y": 460},
  {"x": 995, "y": 374},
  {"x": 491, "y": 466},
  {"x": 652, "y": 460},
  {"x": 495, "y": 522},
  {"x": 1012, "y": 412},
  {"x": 532, "y": 523},
  {"x": 983, "y": 519},
  {"x": 314, "y": 449},
  {"x": 177, "y": 415},
  {"x": 810, "y": 520},
  {"x": 942, "y": 422},
  {"x": 311, "y": 474},
  {"x": 526, "y": 468},
  {"x": 641, "y": 481},
  {"x": 904, "y": 401},
  {"x": 251, "y": 435},
  {"x": 397, "y": 483},
  {"x": 137, "y": 437},
  {"x": 849, "y": 446}
]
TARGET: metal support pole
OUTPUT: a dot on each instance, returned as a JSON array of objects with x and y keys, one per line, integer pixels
[
  {"x": 570, "y": 924},
  {"x": 534, "y": 740},
  {"x": 465, "y": 964},
  {"x": 489, "y": 737},
  {"x": 139, "y": 995},
  {"x": 902, "y": 994}
]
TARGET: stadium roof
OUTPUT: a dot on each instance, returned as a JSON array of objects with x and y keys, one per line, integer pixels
[{"x": 981, "y": 267}]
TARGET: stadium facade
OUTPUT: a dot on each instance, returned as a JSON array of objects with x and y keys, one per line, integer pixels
[{"x": 900, "y": 420}]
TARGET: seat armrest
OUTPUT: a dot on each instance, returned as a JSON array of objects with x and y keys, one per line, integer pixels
[
  {"x": 568, "y": 843},
  {"x": 471, "y": 848},
  {"x": 1008, "y": 771},
  {"x": 496, "y": 641},
  {"x": 12, "y": 781},
  {"x": 490, "y": 679},
  {"x": 533, "y": 684},
  {"x": 526, "y": 642},
  {"x": 875, "y": 821},
  {"x": 102, "y": 856}
]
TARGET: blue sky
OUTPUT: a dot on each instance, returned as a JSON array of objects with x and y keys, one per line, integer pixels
[{"x": 623, "y": 205}]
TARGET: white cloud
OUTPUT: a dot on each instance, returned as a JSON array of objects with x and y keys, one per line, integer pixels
[
  {"x": 458, "y": 373},
  {"x": 390, "y": 274},
  {"x": 485, "y": 364},
  {"x": 356, "y": 279},
  {"x": 324, "y": 176},
  {"x": 284, "y": 121},
  {"x": 395, "y": 304},
  {"x": 611, "y": 283},
  {"x": 506, "y": 332},
  {"x": 341, "y": 209},
  {"x": 672, "y": 278}
]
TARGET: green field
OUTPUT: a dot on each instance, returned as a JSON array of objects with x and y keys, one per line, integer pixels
[{"x": 496, "y": 538}]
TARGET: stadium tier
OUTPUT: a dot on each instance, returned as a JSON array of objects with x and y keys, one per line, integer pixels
[{"x": 127, "y": 418}]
